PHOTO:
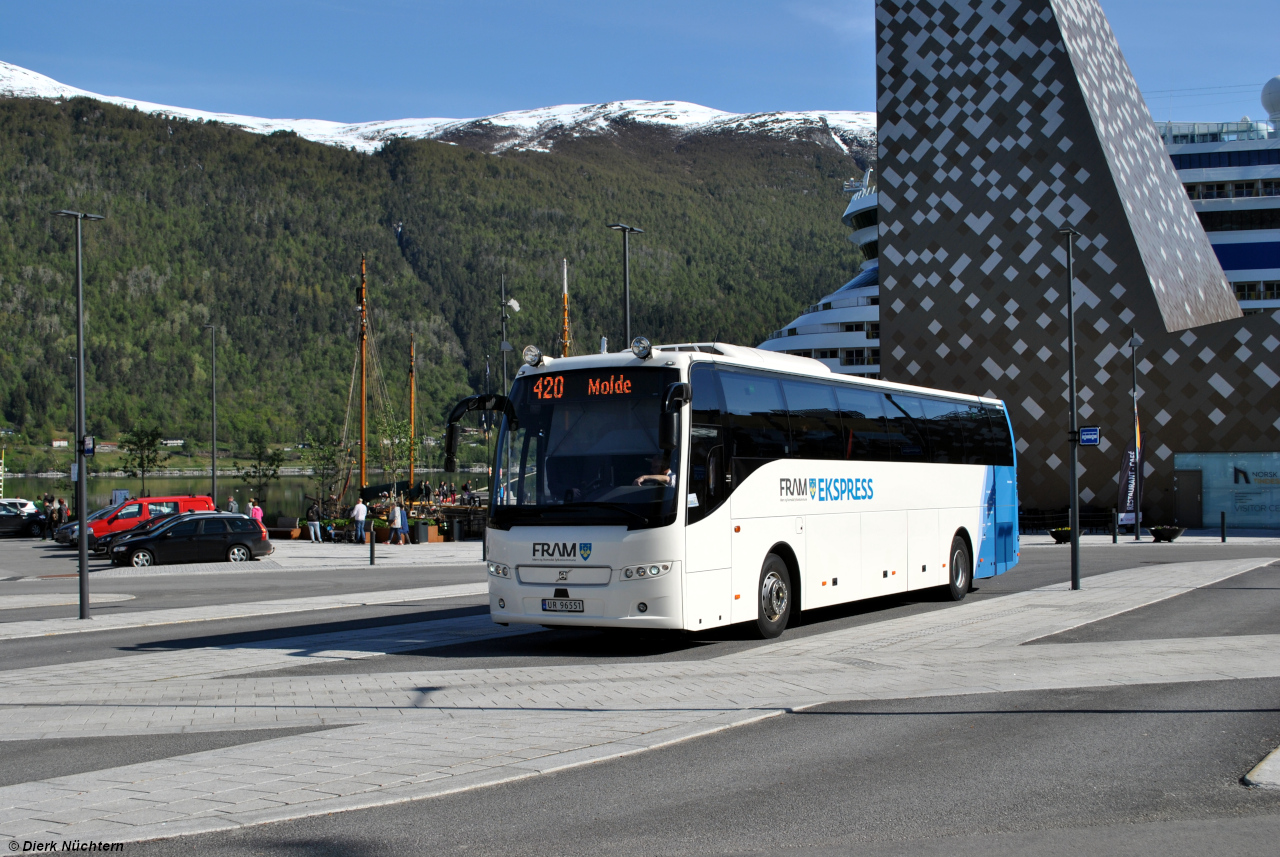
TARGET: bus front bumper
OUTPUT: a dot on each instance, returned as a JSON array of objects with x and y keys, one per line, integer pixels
[{"x": 652, "y": 603}]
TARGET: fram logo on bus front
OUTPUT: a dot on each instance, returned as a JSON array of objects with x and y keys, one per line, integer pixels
[{"x": 825, "y": 490}]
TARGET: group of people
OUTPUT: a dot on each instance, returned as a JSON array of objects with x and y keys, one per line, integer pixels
[
  {"x": 56, "y": 513},
  {"x": 397, "y": 520},
  {"x": 254, "y": 511}
]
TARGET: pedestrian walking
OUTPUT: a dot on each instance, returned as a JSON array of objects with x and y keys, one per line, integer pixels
[
  {"x": 51, "y": 523},
  {"x": 358, "y": 513},
  {"x": 404, "y": 526},
  {"x": 313, "y": 522},
  {"x": 232, "y": 506},
  {"x": 255, "y": 511},
  {"x": 393, "y": 521}
]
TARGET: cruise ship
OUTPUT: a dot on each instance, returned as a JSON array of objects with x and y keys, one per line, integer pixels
[
  {"x": 843, "y": 329},
  {"x": 1231, "y": 171}
]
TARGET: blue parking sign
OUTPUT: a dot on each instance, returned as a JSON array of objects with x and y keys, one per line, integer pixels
[{"x": 1090, "y": 435}]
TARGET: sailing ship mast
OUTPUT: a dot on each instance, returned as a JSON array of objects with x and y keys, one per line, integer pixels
[
  {"x": 362, "y": 307},
  {"x": 413, "y": 388},
  {"x": 564, "y": 332}
]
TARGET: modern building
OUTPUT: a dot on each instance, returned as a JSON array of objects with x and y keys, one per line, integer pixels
[
  {"x": 1231, "y": 171},
  {"x": 843, "y": 329},
  {"x": 1003, "y": 123}
]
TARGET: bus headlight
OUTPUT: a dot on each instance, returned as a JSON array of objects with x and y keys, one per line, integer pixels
[
  {"x": 532, "y": 355},
  {"x": 653, "y": 570},
  {"x": 641, "y": 348},
  {"x": 497, "y": 569}
]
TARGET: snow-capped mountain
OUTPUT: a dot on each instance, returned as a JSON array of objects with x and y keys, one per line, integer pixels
[{"x": 528, "y": 130}]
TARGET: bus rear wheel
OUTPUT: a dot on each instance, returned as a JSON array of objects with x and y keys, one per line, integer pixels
[
  {"x": 960, "y": 572},
  {"x": 774, "y": 598}
]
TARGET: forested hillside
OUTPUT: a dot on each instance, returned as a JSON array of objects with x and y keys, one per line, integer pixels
[{"x": 262, "y": 236}]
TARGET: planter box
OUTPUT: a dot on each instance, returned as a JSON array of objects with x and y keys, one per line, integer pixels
[
  {"x": 1061, "y": 537},
  {"x": 1166, "y": 534}
]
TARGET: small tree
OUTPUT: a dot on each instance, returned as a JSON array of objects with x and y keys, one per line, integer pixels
[
  {"x": 393, "y": 445},
  {"x": 265, "y": 467},
  {"x": 142, "y": 455},
  {"x": 325, "y": 455}
]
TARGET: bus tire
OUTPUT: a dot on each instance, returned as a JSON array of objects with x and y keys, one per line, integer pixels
[
  {"x": 774, "y": 598},
  {"x": 960, "y": 572}
]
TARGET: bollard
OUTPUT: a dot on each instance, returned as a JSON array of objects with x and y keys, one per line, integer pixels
[
  {"x": 1224, "y": 528},
  {"x": 373, "y": 541},
  {"x": 1115, "y": 527}
]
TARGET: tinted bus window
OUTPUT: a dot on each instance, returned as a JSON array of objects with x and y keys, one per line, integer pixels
[
  {"x": 977, "y": 433},
  {"x": 757, "y": 421},
  {"x": 815, "y": 420},
  {"x": 946, "y": 438},
  {"x": 1000, "y": 451},
  {"x": 865, "y": 435},
  {"x": 904, "y": 417},
  {"x": 707, "y": 485}
]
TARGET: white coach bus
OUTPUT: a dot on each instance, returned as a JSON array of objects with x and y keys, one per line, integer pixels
[{"x": 692, "y": 486}]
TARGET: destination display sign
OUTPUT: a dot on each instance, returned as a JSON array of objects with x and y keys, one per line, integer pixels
[{"x": 598, "y": 384}]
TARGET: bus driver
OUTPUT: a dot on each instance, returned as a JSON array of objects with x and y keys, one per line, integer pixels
[{"x": 661, "y": 475}]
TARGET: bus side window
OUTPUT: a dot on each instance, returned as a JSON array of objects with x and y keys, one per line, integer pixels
[
  {"x": 977, "y": 434},
  {"x": 815, "y": 420},
  {"x": 946, "y": 437},
  {"x": 758, "y": 428},
  {"x": 706, "y": 444},
  {"x": 862, "y": 414},
  {"x": 904, "y": 416},
  {"x": 1000, "y": 452}
]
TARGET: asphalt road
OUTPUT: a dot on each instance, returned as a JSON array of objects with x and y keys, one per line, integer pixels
[
  {"x": 984, "y": 774},
  {"x": 1246, "y": 604}
]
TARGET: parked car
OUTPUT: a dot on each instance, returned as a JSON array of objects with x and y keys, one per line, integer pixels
[
  {"x": 103, "y": 545},
  {"x": 133, "y": 512},
  {"x": 15, "y": 523},
  {"x": 24, "y": 506},
  {"x": 200, "y": 537},
  {"x": 69, "y": 532}
]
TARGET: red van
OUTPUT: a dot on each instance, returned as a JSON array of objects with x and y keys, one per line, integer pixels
[{"x": 134, "y": 512}]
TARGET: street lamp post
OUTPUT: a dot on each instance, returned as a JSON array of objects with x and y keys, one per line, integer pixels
[
  {"x": 1073, "y": 434},
  {"x": 82, "y": 510},
  {"x": 1134, "y": 342},
  {"x": 213, "y": 399},
  {"x": 627, "y": 232}
]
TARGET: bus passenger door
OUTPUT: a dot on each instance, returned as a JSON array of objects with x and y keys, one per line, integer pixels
[
  {"x": 708, "y": 543},
  {"x": 884, "y": 553}
]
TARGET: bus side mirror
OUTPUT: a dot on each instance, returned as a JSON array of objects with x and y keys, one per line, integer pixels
[
  {"x": 675, "y": 398},
  {"x": 668, "y": 429}
]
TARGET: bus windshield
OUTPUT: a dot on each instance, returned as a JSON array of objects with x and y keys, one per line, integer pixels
[{"x": 585, "y": 451}]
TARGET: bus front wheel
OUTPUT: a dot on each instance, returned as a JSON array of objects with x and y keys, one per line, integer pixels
[
  {"x": 960, "y": 574},
  {"x": 774, "y": 598}
]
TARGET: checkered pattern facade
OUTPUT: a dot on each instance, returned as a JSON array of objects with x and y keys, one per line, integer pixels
[{"x": 1002, "y": 122}]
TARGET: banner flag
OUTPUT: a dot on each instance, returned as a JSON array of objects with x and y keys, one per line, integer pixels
[{"x": 1131, "y": 479}]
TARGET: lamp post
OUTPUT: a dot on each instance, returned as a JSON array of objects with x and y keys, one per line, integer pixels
[
  {"x": 82, "y": 511},
  {"x": 627, "y": 232},
  {"x": 1073, "y": 434},
  {"x": 1134, "y": 342},
  {"x": 213, "y": 399}
]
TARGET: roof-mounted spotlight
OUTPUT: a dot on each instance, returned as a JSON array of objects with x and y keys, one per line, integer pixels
[
  {"x": 641, "y": 348},
  {"x": 532, "y": 355}
]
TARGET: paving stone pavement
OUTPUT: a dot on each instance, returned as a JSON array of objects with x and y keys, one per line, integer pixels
[{"x": 417, "y": 734}]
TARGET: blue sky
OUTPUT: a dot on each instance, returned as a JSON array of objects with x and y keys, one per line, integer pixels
[{"x": 349, "y": 61}]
